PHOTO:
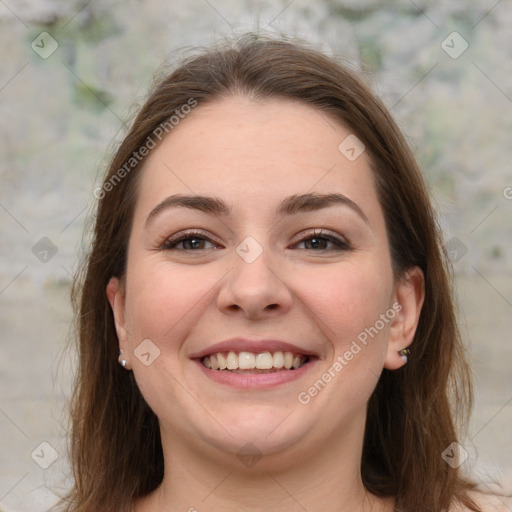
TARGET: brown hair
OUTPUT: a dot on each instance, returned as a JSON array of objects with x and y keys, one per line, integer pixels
[{"x": 413, "y": 414}]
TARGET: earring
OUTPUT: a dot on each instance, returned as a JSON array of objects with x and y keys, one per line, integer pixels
[
  {"x": 404, "y": 354},
  {"x": 123, "y": 362}
]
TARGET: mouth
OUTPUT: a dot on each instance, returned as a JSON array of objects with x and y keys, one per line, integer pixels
[
  {"x": 245, "y": 362},
  {"x": 242, "y": 363}
]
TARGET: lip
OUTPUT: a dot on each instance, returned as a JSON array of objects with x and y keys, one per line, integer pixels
[
  {"x": 256, "y": 346},
  {"x": 255, "y": 380}
]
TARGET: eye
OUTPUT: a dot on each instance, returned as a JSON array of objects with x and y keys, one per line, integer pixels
[
  {"x": 195, "y": 241},
  {"x": 319, "y": 239},
  {"x": 192, "y": 241}
]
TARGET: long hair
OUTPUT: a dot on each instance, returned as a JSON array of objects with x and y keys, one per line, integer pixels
[{"x": 413, "y": 414}]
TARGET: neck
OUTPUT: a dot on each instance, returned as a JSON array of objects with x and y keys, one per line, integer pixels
[{"x": 327, "y": 480}]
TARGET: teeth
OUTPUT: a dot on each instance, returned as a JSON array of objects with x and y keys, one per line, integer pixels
[
  {"x": 222, "y": 360},
  {"x": 232, "y": 361},
  {"x": 278, "y": 360},
  {"x": 295, "y": 363},
  {"x": 264, "y": 361},
  {"x": 214, "y": 362},
  {"x": 246, "y": 361},
  {"x": 251, "y": 361}
]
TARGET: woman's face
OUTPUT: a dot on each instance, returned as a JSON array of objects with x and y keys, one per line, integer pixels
[{"x": 286, "y": 253}]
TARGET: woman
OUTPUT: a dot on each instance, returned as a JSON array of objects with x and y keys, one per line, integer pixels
[{"x": 265, "y": 319}]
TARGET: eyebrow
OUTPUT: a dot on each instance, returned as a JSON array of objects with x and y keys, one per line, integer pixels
[{"x": 289, "y": 206}]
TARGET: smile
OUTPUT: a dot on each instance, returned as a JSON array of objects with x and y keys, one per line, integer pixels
[
  {"x": 254, "y": 363},
  {"x": 244, "y": 363}
]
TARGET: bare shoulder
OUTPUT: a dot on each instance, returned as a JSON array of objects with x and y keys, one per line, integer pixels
[{"x": 486, "y": 503}]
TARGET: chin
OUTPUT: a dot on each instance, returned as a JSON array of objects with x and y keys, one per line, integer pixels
[{"x": 258, "y": 435}]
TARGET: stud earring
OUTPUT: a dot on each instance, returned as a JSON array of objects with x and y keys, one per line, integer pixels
[
  {"x": 123, "y": 362},
  {"x": 404, "y": 354}
]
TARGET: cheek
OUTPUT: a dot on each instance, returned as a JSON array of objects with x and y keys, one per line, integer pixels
[
  {"x": 163, "y": 305},
  {"x": 349, "y": 300},
  {"x": 161, "y": 301}
]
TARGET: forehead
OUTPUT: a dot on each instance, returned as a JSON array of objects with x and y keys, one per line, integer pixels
[{"x": 254, "y": 153}]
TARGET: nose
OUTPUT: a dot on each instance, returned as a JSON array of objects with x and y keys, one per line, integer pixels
[{"x": 256, "y": 290}]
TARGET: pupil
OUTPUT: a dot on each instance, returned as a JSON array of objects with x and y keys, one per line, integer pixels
[{"x": 315, "y": 242}]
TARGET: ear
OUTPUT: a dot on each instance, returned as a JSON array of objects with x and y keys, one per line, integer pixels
[
  {"x": 116, "y": 297},
  {"x": 409, "y": 297}
]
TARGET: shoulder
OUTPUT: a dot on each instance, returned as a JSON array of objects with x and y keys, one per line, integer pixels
[{"x": 486, "y": 503}]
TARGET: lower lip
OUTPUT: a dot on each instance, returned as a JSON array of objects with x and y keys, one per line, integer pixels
[{"x": 255, "y": 380}]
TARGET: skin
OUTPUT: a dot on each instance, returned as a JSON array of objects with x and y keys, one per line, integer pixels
[{"x": 318, "y": 297}]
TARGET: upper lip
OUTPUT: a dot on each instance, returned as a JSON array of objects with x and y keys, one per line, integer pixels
[{"x": 255, "y": 346}]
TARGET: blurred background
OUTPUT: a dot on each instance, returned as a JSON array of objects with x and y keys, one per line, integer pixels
[{"x": 73, "y": 72}]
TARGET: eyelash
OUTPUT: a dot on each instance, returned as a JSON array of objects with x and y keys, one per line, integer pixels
[
  {"x": 341, "y": 244},
  {"x": 171, "y": 243}
]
